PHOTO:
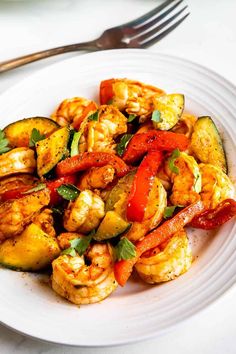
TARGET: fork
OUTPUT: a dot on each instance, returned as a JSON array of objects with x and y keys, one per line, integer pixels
[{"x": 139, "y": 33}]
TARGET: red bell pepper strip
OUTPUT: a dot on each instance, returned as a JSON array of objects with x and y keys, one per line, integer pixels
[
  {"x": 153, "y": 140},
  {"x": 16, "y": 193},
  {"x": 123, "y": 268},
  {"x": 106, "y": 91},
  {"x": 87, "y": 160},
  {"x": 55, "y": 198},
  {"x": 213, "y": 218},
  {"x": 90, "y": 109},
  {"x": 52, "y": 185},
  {"x": 141, "y": 186}
]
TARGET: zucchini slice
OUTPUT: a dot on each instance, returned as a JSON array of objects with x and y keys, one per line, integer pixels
[
  {"x": 51, "y": 150},
  {"x": 207, "y": 145},
  {"x": 170, "y": 108},
  {"x": 19, "y": 133},
  {"x": 32, "y": 250},
  {"x": 123, "y": 186},
  {"x": 111, "y": 226}
]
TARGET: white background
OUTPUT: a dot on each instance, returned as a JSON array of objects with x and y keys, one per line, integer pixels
[{"x": 208, "y": 37}]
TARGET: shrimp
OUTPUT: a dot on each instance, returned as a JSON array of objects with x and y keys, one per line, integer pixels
[
  {"x": 216, "y": 186},
  {"x": 97, "y": 177},
  {"x": 134, "y": 97},
  {"x": 174, "y": 260},
  {"x": 18, "y": 160},
  {"x": 85, "y": 213},
  {"x": 187, "y": 183},
  {"x": 100, "y": 134},
  {"x": 16, "y": 214},
  {"x": 80, "y": 283},
  {"x": 185, "y": 124},
  {"x": 157, "y": 202},
  {"x": 65, "y": 237},
  {"x": 45, "y": 221},
  {"x": 73, "y": 111},
  {"x": 13, "y": 182}
]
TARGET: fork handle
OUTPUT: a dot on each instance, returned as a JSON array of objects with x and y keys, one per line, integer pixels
[{"x": 26, "y": 59}]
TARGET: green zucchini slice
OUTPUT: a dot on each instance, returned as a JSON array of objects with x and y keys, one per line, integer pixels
[
  {"x": 170, "y": 108},
  {"x": 123, "y": 186},
  {"x": 111, "y": 226},
  {"x": 206, "y": 143},
  {"x": 30, "y": 251},
  {"x": 19, "y": 133},
  {"x": 51, "y": 150}
]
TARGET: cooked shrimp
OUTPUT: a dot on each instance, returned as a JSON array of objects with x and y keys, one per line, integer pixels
[
  {"x": 18, "y": 160},
  {"x": 15, "y": 214},
  {"x": 45, "y": 221},
  {"x": 73, "y": 111},
  {"x": 65, "y": 237},
  {"x": 216, "y": 186},
  {"x": 187, "y": 183},
  {"x": 13, "y": 182},
  {"x": 85, "y": 213},
  {"x": 97, "y": 177},
  {"x": 157, "y": 202},
  {"x": 100, "y": 134},
  {"x": 80, "y": 283},
  {"x": 174, "y": 260},
  {"x": 185, "y": 124},
  {"x": 134, "y": 97}
]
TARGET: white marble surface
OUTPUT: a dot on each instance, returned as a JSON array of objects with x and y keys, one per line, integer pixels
[{"x": 207, "y": 37}]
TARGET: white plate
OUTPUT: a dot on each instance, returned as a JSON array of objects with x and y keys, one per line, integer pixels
[{"x": 137, "y": 311}]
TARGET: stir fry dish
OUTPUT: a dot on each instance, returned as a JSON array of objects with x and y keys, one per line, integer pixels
[{"x": 97, "y": 192}]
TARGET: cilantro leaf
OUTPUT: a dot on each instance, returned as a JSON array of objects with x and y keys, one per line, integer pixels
[
  {"x": 68, "y": 191},
  {"x": 79, "y": 245},
  {"x": 156, "y": 116},
  {"x": 35, "y": 137},
  {"x": 123, "y": 143},
  {"x": 93, "y": 116},
  {"x": 3, "y": 143},
  {"x": 175, "y": 154},
  {"x": 125, "y": 249},
  {"x": 169, "y": 211},
  {"x": 37, "y": 188},
  {"x": 131, "y": 118},
  {"x": 70, "y": 251},
  {"x": 74, "y": 150}
]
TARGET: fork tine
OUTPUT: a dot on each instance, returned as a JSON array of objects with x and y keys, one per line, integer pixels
[
  {"x": 157, "y": 19},
  {"x": 146, "y": 16},
  {"x": 156, "y": 29},
  {"x": 164, "y": 33}
]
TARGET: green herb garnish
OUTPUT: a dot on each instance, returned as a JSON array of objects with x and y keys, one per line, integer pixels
[
  {"x": 156, "y": 116},
  {"x": 169, "y": 211},
  {"x": 93, "y": 116},
  {"x": 125, "y": 249},
  {"x": 175, "y": 154},
  {"x": 74, "y": 149},
  {"x": 123, "y": 143},
  {"x": 37, "y": 188},
  {"x": 3, "y": 143},
  {"x": 131, "y": 118},
  {"x": 70, "y": 251},
  {"x": 68, "y": 191},
  {"x": 79, "y": 245},
  {"x": 35, "y": 137}
]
